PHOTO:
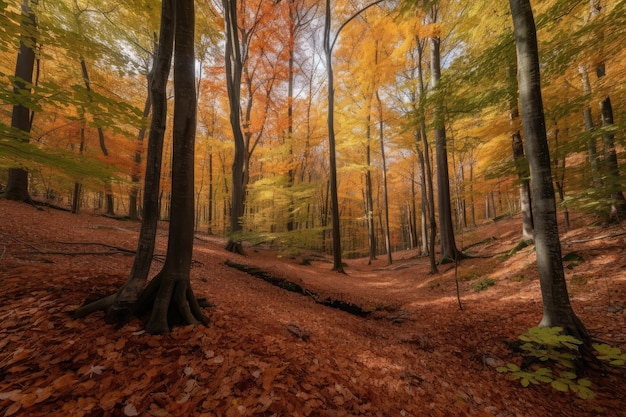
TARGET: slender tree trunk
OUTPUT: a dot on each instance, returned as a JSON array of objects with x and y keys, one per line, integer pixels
[
  {"x": 334, "y": 200},
  {"x": 413, "y": 212},
  {"x": 448, "y": 244},
  {"x": 234, "y": 66},
  {"x": 424, "y": 205},
  {"x": 610, "y": 157},
  {"x": 110, "y": 206},
  {"x": 369, "y": 200},
  {"x": 77, "y": 186},
  {"x": 592, "y": 150},
  {"x": 557, "y": 310},
  {"x": 17, "y": 184},
  {"x": 425, "y": 161},
  {"x": 385, "y": 191},
  {"x": 521, "y": 164},
  {"x": 135, "y": 176}
]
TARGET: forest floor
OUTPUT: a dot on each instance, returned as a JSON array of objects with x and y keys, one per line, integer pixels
[{"x": 271, "y": 352}]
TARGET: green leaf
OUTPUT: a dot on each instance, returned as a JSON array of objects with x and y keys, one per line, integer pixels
[
  {"x": 559, "y": 385},
  {"x": 524, "y": 382},
  {"x": 584, "y": 382}
]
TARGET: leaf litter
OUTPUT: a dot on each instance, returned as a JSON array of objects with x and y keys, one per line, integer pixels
[{"x": 271, "y": 352}]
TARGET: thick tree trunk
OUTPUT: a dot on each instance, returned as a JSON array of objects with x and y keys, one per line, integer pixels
[
  {"x": 557, "y": 310},
  {"x": 17, "y": 185},
  {"x": 118, "y": 306}
]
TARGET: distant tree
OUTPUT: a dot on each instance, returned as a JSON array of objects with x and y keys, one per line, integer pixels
[
  {"x": 17, "y": 186},
  {"x": 521, "y": 163},
  {"x": 557, "y": 310}
]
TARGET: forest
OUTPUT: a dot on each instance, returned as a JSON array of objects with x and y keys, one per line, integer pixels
[{"x": 298, "y": 207}]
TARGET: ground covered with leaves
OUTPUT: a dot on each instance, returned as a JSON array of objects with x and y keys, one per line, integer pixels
[{"x": 273, "y": 352}]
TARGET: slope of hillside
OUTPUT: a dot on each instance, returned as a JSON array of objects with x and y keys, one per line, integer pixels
[{"x": 269, "y": 351}]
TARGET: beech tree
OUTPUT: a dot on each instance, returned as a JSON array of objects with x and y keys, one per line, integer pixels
[
  {"x": 557, "y": 310},
  {"x": 17, "y": 185},
  {"x": 168, "y": 297}
]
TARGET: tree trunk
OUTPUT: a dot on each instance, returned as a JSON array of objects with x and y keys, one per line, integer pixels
[
  {"x": 521, "y": 164},
  {"x": 171, "y": 292},
  {"x": 385, "y": 197},
  {"x": 369, "y": 200},
  {"x": 425, "y": 161},
  {"x": 614, "y": 185},
  {"x": 135, "y": 176},
  {"x": 448, "y": 244},
  {"x": 334, "y": 200},
  {"x": 17, "y": 185},
  {"x": 118, "y": 306},
  {"x": 77, "y": 186},
  {"x": 234, "y": 67},
  {"x": 557, "y": 310}
]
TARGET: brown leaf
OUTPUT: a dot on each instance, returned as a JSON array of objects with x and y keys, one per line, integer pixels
[
  {"x": 268, "y": 378},
  {"x": 63, "y": 382},
  {"x": 14, "y": 408}
]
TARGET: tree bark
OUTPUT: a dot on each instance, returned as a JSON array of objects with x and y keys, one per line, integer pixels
[
  {"x": 119, "y": 306},
  {"x": 557, "y": 310},
  {"x": 369, "y": 200},
  {"x": 614, "y": 185},
  {"x": 521, "y": 164},
  {"x": 384, "y": 161},
  {"x": 17, "y": 185},
  {"x": 334, "y": 200},
  {"x": 234, "y": 67},
  {"x": 448, "y": 244}
]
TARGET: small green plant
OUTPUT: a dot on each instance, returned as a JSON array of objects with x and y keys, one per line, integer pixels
[
  {"x": 610, "y": 354},
  {"x": 518, "y": 278},
  {"x": 483, "y": 284},
  {"x": 551, "y": 358},
  {"x": 579, "y": 279}
]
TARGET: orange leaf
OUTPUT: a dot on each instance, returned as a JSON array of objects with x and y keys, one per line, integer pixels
[
  {"x": 268, "y": 378},
  {"x": 110, "y": 399},
  {"x": 63, "y": 382},
  {"x": 14, "y": 408},
  {"x": 28, "y": 400},
  {"x": 43, "y": 394}
]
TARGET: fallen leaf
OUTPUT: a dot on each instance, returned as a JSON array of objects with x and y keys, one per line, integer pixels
[
  {"x": 130, "y": 410},
  {"x": 43, "y": 394},
  {"x": 63, "y": 382},
  {"x": 14, "y": 408},
  {"x": 12, "y": 395}
]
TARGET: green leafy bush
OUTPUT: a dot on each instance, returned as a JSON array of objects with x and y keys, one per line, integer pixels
[{"x": 547, "y": 345}]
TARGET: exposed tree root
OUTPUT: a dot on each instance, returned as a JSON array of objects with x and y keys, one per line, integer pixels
[{"x": 171, "y": 302}]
